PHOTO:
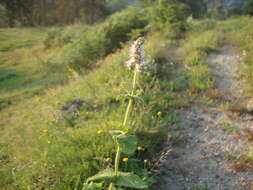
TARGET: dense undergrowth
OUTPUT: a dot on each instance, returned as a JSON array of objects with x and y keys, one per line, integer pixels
[{"x": 44, "y": 147}]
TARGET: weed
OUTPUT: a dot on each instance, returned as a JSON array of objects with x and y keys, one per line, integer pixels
[
  {"x": 224, "y": 106},
  {"x": 126, "y": 143},
  {"x": 229, "y": 157},
  {"x": 230, "y": 128},
  {"x": 244, "y": 162}
]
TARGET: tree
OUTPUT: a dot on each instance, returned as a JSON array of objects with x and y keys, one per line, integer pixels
[
  {"x": 248, "y": 9},
  {"x": 168, "y": 14},
  {"x": 50, "y": 12}
]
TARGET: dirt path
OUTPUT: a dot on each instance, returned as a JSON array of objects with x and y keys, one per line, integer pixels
[{"x": 207, "y": 140}]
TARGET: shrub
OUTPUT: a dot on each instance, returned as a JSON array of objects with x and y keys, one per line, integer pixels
[
  {"x": 168, "y": 15},
  {"x": 105, "y": 38},
  {"x": 58, "y": 37}
]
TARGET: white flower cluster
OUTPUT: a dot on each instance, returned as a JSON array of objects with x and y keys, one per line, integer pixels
[{"x": 137, "y": 56}]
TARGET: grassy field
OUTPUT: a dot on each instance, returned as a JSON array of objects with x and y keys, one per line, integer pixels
[
  {"x": 41, "y": 148},
  {"x": 65, "y": 150},
  {"x": 25, "y": 65}
]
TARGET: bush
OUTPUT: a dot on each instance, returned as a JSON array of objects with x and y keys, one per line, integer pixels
[
  {"x": 105, "y": 38},
  {"x": 58, "y": 37},
  {"x": 168, "y": 15}
]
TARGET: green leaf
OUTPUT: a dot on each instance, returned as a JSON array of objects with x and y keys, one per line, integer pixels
[
  {"x": 130, "y": 180},
  {"x": 149, "y": 180},
  {"x": 92, "y": 186},
  {"x": 105, "y": 175},
  {"x": 127, "y": 143}
]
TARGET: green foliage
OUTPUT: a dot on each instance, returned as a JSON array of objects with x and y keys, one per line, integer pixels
[
  {"x": 92, "y": 186},
  {"x": 168, "y": 15},
  {"x": 105, "y": 175},
  {"x": 61, "y": 36},
  {"x": 131, "y": 181},
  {"x": 202, "y": 39},
  {"x": 122, "y": 180},
  {"x": 44, "y": 12},
  {"x": 109, "y": 36},
  {"x": 127, "y": 143},
  {"x": 53, "y": 154}
]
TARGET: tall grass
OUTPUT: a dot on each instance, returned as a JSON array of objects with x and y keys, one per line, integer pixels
[{"x": 202, "y": 39}]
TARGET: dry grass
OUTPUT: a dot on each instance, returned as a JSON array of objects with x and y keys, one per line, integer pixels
[
  {"x": 249, "y": 134},
  {"x": 213, "y": 94},
  {"x": 243, "y": 164},
  {"x": 237, "y": 108}
]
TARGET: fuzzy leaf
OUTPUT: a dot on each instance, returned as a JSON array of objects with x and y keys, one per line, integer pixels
[
  {"x": 92, "y": 186},
  {"x": 130, "y": 180},
  {"x": 127, "y": 143},
  {"x": 105, "y": 175}
]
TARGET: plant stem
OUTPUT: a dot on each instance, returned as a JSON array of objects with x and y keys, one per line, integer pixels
[
  {"x": 110, "y": 186},
  {"x": 116, "y": 164},
  {"x": 117, "y": 159},
  {"x": 131, "y": 100}
]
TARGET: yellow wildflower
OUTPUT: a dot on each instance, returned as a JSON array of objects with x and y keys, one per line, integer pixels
[
  {"x": 125, "y": 159},
  {"x": 145, "y": 161},
  {"x": 95, "y": 106},
  {"x": 159, "y": 113},
  {"x": 139, "y": 148},
  {"x": 99, "y": 132}
]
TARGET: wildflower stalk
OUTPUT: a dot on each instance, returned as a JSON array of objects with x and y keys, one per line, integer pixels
[
  {"x": 110, "y": 186},
  {"x": 137, "y": 59},
  {"x": 117, "y": 159},
  {"x": 131, "y": 99}
]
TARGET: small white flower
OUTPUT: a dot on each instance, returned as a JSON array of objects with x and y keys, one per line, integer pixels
[{"x": 137, "y": 56}]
